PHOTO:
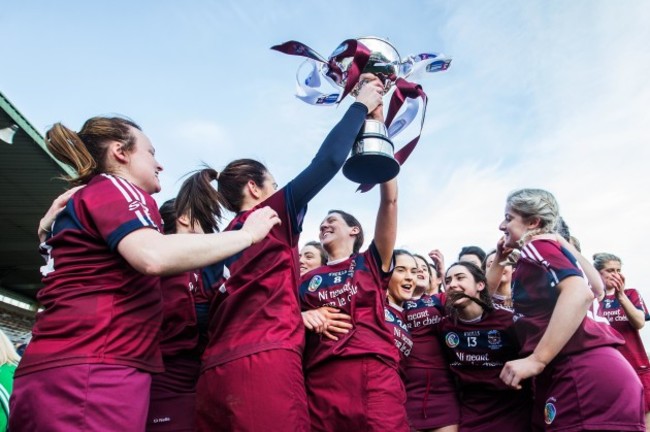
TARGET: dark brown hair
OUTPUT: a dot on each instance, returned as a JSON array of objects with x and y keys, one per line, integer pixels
[
  {"x": 234, "y": 177},
  {"x": 197, "y": 199},
  {"x": 484, "y": 300},
  {"x": 321, "y": 250},
  {"x": 85, "y": 151}
]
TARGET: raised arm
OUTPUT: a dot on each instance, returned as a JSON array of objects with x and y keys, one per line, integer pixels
[
  {"x": 595, "y": 281},
  {"x": 152, "y": 253},
  {"x": 635, "y": 317},
  {"x": 386, "y": 223},
  {"x": 337, "y": 145},
  {"x": 495, "y": 271}
]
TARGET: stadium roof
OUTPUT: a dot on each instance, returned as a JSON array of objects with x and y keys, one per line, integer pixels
[{"x": 28, "y": 185}]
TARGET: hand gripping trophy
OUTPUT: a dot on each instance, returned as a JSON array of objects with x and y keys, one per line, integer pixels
[{"x": 326, "y": 82}]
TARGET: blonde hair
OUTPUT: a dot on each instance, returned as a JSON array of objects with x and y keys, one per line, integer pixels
[
  {"x": 535, "y": 203},
  {"x": 602, "y": 258},
  {"x": 8, "y": 353}
]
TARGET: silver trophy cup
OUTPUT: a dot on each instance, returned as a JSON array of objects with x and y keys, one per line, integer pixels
[{"x": 372, "y": 160}]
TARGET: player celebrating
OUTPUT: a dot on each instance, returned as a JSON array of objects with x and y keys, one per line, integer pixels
[
  {"x": 400, "y": 290},
  {"x": 478, "y": 338},
  {"x": 580, "y": 375},
  {"x": 431, "y": 399},
  {"x": 255, "y": 324},
  {"x": 95, "y": 344},
  {"x": 626, "y": 312},
  {"x": 195, "y": 210},
  {"x": 353, "y": 383}
]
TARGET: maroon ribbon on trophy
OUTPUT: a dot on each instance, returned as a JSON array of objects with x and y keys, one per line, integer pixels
[
  {"x": 403, "y": 90},
  {"x": 349, "y": 48},
  {"x": 343, "y": 69}
]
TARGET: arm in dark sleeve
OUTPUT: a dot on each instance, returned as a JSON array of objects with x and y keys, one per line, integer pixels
[{"x": 330, "y": 157}]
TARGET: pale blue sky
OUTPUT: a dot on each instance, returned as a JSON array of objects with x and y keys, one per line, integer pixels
[{"x": 550, "y": 94}]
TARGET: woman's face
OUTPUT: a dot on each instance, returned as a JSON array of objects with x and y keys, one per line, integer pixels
[
  {"x": 142, "y": 166},
  {"x": 334, "y": 231},
  {"x": 609, "y": 273},
  {"x": 269, "y": 186},
  {"x": 514, "y": 227},
  {"x": 423, "y": 280},
  {"x": 402, "y": 282},
  {"x": 460, "y": 280},
  {"x": 309, "y": 259}
]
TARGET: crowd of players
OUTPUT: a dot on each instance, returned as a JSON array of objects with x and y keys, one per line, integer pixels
[{"x": 154, "y": 320}]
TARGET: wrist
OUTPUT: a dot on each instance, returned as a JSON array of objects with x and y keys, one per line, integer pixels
[
  {"x": 249, "y": 237},
  {"x": 539, "y": 358},
  {"x": 42, "y": 228}
]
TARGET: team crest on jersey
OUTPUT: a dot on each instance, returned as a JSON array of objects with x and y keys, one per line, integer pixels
[
  {"x": 550, "y": 412},
  {"x": 314, "y": 283},
  {"x": 452, "y": 340},
  {"x": 608, "y": 303},
  {"x": 494, "y": 339},
  {"x": 388, "y": 316}
]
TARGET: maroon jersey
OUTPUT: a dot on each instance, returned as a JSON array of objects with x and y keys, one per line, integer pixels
[
  {"x": 355, "y": 286},
  {"x": 254, "y": 305},
  {"x": 542, "y": 266},
  {"x": 179, "y": 325},
  {"x": 397, "y": 323},
  {"x": 98, "y": 309},
  {"x": 476, "y": 351},
  {"x": 633, "y": 350},
  {"x": 422, "y": 317}
]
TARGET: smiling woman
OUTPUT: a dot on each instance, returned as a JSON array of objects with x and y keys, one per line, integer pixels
[
  {"x": 255, "y": 323},
  {"x": 400, "y": 290},
  {"x": 478, "y": 338},
  {"x": 566, "y": 344},
  {"x": 362, "y": 364},
  {"x": 95, "y": 344}
]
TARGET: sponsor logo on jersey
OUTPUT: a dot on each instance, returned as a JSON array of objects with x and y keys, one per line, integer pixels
[
  {"x": 314, "y": 283},
  {"x": 550, "y": 412},
  {"x": 452, "y": 340},
  {"x": 428, "y": 301},
  {"x": 388, "y": 316},
  {"x": 410, "y": 304},
  {"x": 135, "y": 205}
]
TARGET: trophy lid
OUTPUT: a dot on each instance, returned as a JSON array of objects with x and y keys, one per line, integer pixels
[{"x": 384, "y": 60}]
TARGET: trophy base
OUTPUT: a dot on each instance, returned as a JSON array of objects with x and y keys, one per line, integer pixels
[{"x": 369, "y": 168}]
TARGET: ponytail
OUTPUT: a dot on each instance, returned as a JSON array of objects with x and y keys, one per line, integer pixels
[
  {"x": 199, "y": 200},
  {"x": 85, "y": 151}
]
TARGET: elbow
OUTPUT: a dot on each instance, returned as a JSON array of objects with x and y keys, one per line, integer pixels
[
  {"x": 638, "y": 322},
  {"x": 588, "y": 298},
  {"x": 153, "y": 269},
  {"x": 149, "y": 263}
]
